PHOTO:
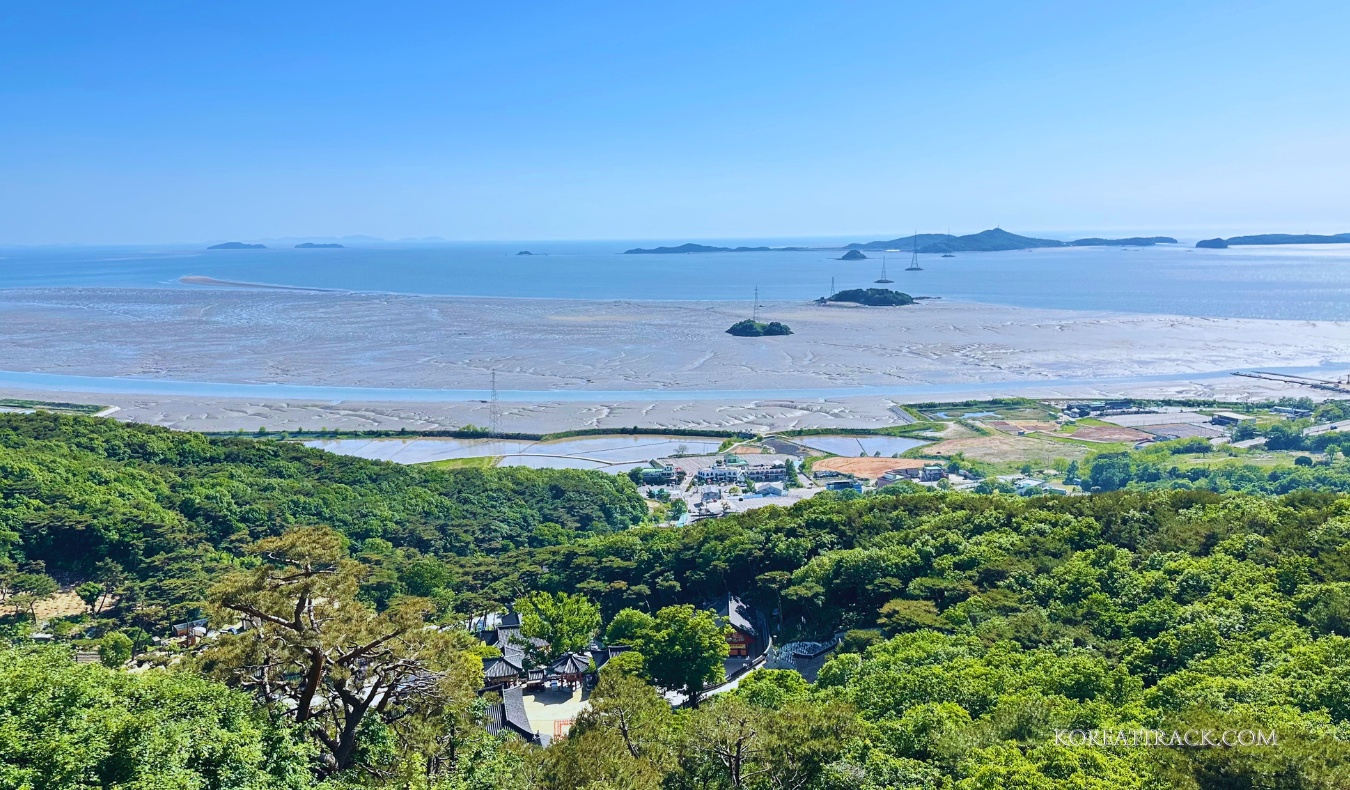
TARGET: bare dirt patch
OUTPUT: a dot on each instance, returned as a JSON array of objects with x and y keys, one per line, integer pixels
[
  {"x": 869, "y": 468},
  {"x": 63, "y": 604},
  {"x": 1109, "y": 433},
  {"x": 1003, "y": 448},
  {"x": 1024, "y": 426}
]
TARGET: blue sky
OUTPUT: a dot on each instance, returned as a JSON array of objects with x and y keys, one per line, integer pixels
[{"x": 144, "y": 122}]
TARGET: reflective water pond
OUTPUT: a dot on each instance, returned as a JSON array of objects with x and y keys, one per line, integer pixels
[{"x": 610, "y": 453}]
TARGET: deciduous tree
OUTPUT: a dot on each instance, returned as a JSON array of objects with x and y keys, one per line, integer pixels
[
  {"x": 566, "y": 622},
  {"x": 683, "y": 650}
]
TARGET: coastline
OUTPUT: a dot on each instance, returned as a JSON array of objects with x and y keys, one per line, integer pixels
[
  {"x": 198, "y": 279},
  {"x": 305, "y": 358}
]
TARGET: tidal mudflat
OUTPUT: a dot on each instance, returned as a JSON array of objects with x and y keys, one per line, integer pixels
[{"x": 426, "y": 362}]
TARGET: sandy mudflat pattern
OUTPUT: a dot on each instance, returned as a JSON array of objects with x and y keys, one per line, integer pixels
[{"x": 374, "y": 340}]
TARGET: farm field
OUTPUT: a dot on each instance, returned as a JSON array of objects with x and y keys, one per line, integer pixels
[{"x": 870, "y": 468}]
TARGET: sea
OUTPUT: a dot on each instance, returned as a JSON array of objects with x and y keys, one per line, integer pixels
[{"x": 1285, "y": 282}]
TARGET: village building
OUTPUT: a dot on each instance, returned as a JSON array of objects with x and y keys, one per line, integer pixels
[
  {"x": 765, "y": 473},
  {"x": 720, "y": 475},
  {"x": 662, "y": 474},
  {"x": 191, "y": 631}
]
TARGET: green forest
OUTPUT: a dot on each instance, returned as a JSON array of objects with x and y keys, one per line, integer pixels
[{"x": 972, "y": 627}]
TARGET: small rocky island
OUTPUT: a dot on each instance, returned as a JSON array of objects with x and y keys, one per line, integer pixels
[
  {"x": 871, "y": 297},
  {"x": 237, "y": 245},
  {"x": 853, "y": 255},
  {"x": 309, "y": 245},
  {"x": 749, "y": 328},
  {"x": 524, "y": 252}
]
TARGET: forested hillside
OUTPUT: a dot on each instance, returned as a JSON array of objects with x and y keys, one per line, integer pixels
[
  {"x": 157, "y": 514},
  {"x": 974, "y": 626}
]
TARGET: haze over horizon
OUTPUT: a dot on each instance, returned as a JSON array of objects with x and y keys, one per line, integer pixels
[{"x": 164, "y": 123}]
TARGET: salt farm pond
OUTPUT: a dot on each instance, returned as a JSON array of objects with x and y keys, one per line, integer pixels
[
  {"x": 607, "y": 453},
  {"x": 859, "y": 445},
  {"x": 614, "y": 454}
]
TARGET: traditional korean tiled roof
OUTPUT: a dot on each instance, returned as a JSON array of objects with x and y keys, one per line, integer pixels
[
  {"x": 570, "y": 664},
  {"x": 503, "y": 636},
  {"x": 509, "y": 716},
  {"x": 737, "y": 614},
  {"x": 500, "y": 668},
  {"x": 602, "y": 655}
]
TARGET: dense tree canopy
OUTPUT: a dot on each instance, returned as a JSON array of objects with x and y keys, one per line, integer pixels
[
  {"x": 70, "y": 727},
  {"x": 159, "y": 512},
  {"x": 976, "y": 625}
]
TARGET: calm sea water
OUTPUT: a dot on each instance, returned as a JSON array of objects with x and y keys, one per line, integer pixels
[{"x": 1300, "y": 282}]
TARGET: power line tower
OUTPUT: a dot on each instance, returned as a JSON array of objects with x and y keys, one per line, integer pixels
[
  {"x": 754, "y": 313},
  {"x": 494, "y": 412}
]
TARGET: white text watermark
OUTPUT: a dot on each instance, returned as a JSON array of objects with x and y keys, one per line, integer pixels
[{"x": 1192, "y": 739}]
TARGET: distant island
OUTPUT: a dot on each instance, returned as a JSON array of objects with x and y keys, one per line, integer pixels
[
  {"x": 872, "y": 297},
  {"x": 524, "y": 252},
  {"x": 1134, "y": 241},
  {"x": 1273, "y": 238},
  {"x": 688, "y": 248},
  {"x": 995, "y": 240},
  {"x": 748, "y": 328},
  {"x": 309, "y": 245},
  {"x": 237, "y": 245},
  {"x": 904, "y": 244}
]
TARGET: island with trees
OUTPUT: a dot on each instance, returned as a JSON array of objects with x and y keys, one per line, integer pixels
[
  {"x": 1273, "y": 239},
  {"x": 992, "y": 240},
  {"x": 997, "y": 240},
  {"x": 236, "y": 245},
  {"x": 749, "y": 328},
  {"x": 310, "y": 245},
  {"x": 871, "y": 297}
]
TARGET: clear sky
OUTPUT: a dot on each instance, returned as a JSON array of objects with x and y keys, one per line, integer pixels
[{"x": 144, "y": 122}]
